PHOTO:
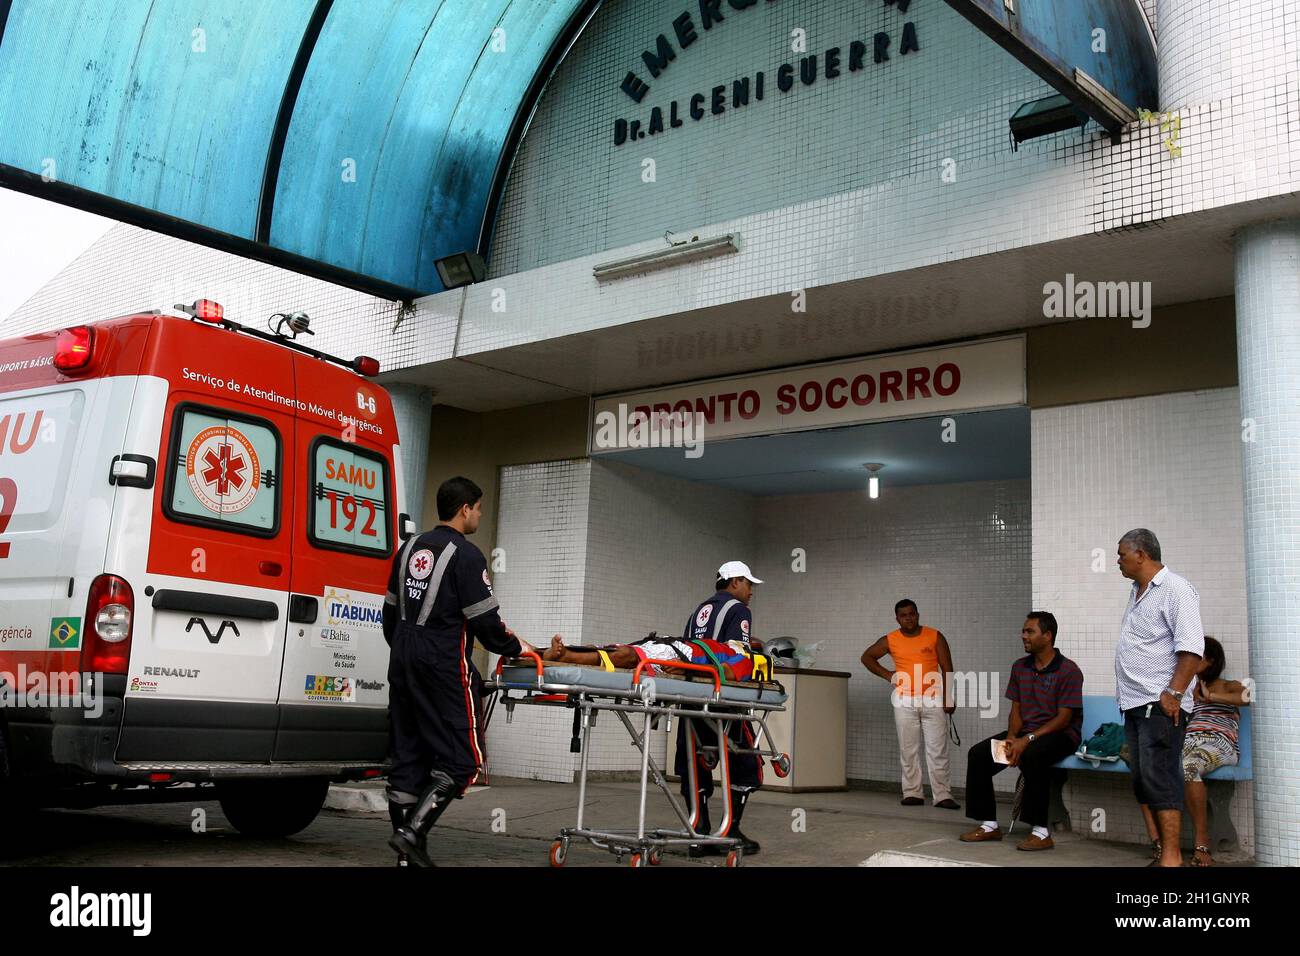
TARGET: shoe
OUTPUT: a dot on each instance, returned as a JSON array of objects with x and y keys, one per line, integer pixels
[
  {"x": 406, "y": 842},
  {"x": 949, "y": 804},
  {"x": 980, "y": 835},
  {"x": 750, "y": 847},
  {"x": 1035, "y": 843},
  {"x": 911, "y": 801}
]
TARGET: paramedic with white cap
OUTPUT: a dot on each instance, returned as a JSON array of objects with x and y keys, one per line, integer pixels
[{"x": 724, "y": 617}]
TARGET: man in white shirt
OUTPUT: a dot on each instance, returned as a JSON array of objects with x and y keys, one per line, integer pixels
[{"x": 1160, "y": 645}]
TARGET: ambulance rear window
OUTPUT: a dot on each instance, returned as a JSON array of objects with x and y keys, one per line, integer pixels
[
  {"x": 349, "y": 501},
  {"x": 225, "y": 472}
]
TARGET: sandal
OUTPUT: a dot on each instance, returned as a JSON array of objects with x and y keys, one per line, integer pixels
[
  {"x": 1157, "y": 850},
  {"x": 1196, "y": 857}
]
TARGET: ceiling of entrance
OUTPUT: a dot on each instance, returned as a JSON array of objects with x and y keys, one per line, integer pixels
[{"x": 989, "y": 446}]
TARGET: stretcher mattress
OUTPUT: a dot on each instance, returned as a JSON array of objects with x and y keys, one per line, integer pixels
[{"x": 524, "y": 675}]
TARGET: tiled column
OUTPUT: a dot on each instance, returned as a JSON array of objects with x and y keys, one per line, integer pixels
[
  {"x": 1268, "y": 357},
  {"x": 411, "y": 408}
]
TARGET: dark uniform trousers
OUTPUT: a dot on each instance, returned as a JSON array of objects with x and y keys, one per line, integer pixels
[
  {"x": 1036, "y": 767},
  {"x": 439, "y": 601},
  {"x": 434, "y": 695},
  {"x": 746, "y": 769}
]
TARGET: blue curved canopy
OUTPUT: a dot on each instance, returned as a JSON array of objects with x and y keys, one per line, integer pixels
[{"x": 366, "y": 137}]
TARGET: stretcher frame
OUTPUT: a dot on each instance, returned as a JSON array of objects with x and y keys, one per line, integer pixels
[{"x": 646, "y": 845}]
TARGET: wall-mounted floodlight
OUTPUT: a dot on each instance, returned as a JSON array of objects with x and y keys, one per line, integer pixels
[
  {"x": 464, "y": 268},
  {"x": 695, "y": 250},
  {"x": 1051, "y": 114}
]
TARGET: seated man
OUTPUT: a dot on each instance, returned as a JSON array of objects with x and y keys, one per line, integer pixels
[
  {"x": 1046, "y": 694},
  {"x": 737, "y": 665}
]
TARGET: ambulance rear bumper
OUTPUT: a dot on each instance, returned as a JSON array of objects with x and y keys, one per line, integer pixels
[{"x": 122, "y": 742}]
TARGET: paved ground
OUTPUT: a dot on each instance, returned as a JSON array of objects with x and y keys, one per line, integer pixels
[{"x": 839, "y": 829}]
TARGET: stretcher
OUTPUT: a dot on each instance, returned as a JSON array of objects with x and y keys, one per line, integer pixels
[{"x": 654, "y": 691}]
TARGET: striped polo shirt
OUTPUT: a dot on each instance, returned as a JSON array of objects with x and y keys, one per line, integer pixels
[
  {"x": 1165, "y": 621},
  {"x": 1042, "y": 693}
]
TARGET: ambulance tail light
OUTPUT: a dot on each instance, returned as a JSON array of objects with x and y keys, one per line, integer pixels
[
  {"x": 365, "y": 365},
  {"x": 74, "y": 348},
  {"x": 109, "y": 613}
]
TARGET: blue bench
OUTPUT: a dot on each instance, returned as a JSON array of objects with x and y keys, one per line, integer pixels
[{"x": 1219, "y": 783}]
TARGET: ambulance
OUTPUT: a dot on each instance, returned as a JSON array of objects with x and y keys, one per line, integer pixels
[{"x": 197, "y": 520}]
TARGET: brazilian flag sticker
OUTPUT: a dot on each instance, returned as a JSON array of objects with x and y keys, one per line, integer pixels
[{"x": 65, "y": 633}]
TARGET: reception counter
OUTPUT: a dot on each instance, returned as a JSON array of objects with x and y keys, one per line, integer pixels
[{"x": 813, "y": 730}]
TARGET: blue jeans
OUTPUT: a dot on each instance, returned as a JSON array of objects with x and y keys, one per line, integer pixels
[{"x": 1155, "y": 749}]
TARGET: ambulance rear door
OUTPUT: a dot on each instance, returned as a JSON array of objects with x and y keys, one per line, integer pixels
[
  {"x": 212, "y": 600},
  {"x": 334, "y": 689}
]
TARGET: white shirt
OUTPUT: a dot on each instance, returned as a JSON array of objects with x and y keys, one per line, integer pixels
[{"x": 1157, "y": 626}]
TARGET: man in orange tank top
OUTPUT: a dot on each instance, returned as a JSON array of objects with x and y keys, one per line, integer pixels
[{"x": 922, "y": 701}]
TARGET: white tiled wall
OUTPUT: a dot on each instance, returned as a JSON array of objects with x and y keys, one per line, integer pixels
[
  {"x": 542, "y": 520},
  {"x": 960, "y": 551},
  {"x": 842, "y": 180},
  {"x": 602, "y": 553},
  {"x": 1170, "y": 463},
  {"x": 130, "y": 269},
  {"x": 653, "y": 551}
]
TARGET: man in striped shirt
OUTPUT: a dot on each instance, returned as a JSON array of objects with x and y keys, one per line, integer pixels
[
  {"x": 1160, "y": 645},
  {"x": 1046, "y": 694}
]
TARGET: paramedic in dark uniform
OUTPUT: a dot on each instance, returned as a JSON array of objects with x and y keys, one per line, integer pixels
[
  {"x": 439, "y": 601},
  {"x": 724, "y": 617}
]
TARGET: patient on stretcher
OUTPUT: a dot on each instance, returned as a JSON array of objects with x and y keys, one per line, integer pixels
[{"x": 736, "y": 663}]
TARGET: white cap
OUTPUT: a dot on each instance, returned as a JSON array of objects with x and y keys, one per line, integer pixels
[{"x": 737, "y": 569}]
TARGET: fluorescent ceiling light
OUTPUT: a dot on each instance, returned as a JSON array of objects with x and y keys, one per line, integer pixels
[{"x": 677, "y": 255}]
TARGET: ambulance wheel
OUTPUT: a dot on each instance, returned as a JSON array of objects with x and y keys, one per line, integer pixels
[
  {"x": 272, "y": 808},
  {"x": 637, "y": 861},
  {"x": 559, "y": 853},
  {"x": 656, "y": 857},
  {"x": 734, "y": 858},
  {"x": 781, "y": 766}
]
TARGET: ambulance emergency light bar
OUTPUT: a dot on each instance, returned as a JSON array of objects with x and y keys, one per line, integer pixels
[{"x": 205, "y": 310}]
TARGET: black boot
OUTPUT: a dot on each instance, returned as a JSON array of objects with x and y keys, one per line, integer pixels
[
  {"x": 738, "y": 800},
  {"x": 410, "y": 838},
  {"x": 704, "y": 826},
  {"x": 400, "y": 806}
]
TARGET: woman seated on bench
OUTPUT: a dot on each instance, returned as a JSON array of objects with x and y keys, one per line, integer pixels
[
  {"x": 736, "y": 663},
  {"x": 1210, "y": 743}
]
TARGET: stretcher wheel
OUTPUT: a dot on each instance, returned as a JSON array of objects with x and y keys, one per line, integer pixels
[
  {"x": 710, "y": 760},
  {"x": 637, "y": 861},
  {"x": 734, "y": 858},
  {"x": 559, "y": 853},
  {"x": 656, "y": 857},
  {"x": 781, "y": 765}
]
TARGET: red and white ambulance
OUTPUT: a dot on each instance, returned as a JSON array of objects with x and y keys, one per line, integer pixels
[{"x": 196, "y": 526}]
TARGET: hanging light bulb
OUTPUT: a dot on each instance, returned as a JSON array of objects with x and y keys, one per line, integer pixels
[{"x": 873, "y": 483}]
